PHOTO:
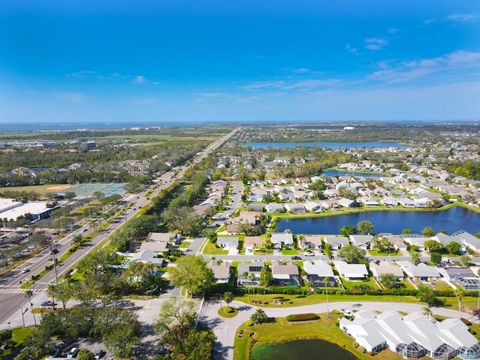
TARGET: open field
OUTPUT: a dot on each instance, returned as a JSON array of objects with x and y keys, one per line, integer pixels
[{"x": 42, "y": 190}]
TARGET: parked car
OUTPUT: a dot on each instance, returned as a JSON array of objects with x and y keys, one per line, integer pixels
[
  {"x": 48, "y": 303},
  {"x": 72, "y": 354},
  {"x": 100, "y": 354},
  {"x": 56, "y": 353},
  {"x": 296, "y": 258},
  {"x": 309, "y": 254}
]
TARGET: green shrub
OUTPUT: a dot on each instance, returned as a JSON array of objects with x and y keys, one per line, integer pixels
[{"x": 302, "y": 317}]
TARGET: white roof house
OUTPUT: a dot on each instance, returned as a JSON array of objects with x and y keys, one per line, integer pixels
[
  {"x": 336, "y": 242},
  {"x": 282, "y": 239},
  {"x": 361, "y": 240},
  {"x": 416, "y": 241},
  {"x": 351, "y": 271},
  {"x": 386, "y": 267},
  {"x": 467, "y": 239},
  {"x": 229, "y": 243},
  {"x": 412, "y": 336},
  {"x": 420, "y": 271},
  {"x": 318, "y": 267}
]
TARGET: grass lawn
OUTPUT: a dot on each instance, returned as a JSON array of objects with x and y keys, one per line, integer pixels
[
  {"x": 442, "y": 286},
  {"x": 377, "y": 253},
  {"x": 275, "y": 300},
  {"x": 351, "y": 284},
  {"x": 18, "y": 337},
  {"x": 184, "y": 244},
  {"x": 279, "y": 330},
  {"x": 228, "y": 311},
  {"x": 212, "y": 249},
  {"x": 289, "y": 252}
]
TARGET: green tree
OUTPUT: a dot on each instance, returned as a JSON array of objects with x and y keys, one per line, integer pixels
[
  {"x": 428, "y": 231},
  {"x": 348, "y": 230},
  {"x": 407, "y": 231},
  {"x": 259, "y": 317},
  {"x": 365, "y": 227},
  {"x": 192, "y": 273},
  {"x": 416, "y": 258},
  {"x": 85, "y": 354},
  {"x": 435, "y": 258},
  {"x": 459, "y": 294},
  {"x": 433, "y": 246},
  {"x": 266, "y": 276},
  {"x": 453, "y": 248},
  {"x": 352, "y": 254},
  {"x": 228, "y": 298},
  {"x": 389, "y": 281},
  {"x": 464, "y": 260},
  {"x": 382, "y": 245}
]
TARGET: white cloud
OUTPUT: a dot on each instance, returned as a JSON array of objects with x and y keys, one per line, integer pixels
[
  {"x": 302, "y": 70},
  {"x": 375, "y": 43},
  {"x": 80, "y": 74},
  {"x": 409, "y": 70},
  {"x": 465, "y": 18},
  {"x": 392, "y": 30},
  {"x": 139, "y": 79},
  {"x": 304, "y": 84},
  {"x": 351, "y": 49},
  {"x": 74, "y": 97}
]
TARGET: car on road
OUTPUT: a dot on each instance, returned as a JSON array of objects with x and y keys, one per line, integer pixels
[
  {"x": 24, "y": 271},
  {"x": 72, "y": 354},
  {"x": 309, "y": 254},
  {"x": 100, "y": 354},
  {"x": 296, "y": 257}
]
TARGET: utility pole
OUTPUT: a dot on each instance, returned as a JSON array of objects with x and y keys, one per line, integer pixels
[{"x": 23, "y": 315}]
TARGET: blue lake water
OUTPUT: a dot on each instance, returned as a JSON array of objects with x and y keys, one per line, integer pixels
[
  {"x": 300, "y": 350},
  {"x": 451, "y": 220},
  {"x": 331, "y": 173},
  {"x": 327, "y": 144}
]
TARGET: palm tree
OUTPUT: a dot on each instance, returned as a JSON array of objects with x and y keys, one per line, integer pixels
[
  {"x": 459, "y": 295},
  {"x": 326, "y": 283},
  {"x": 28, "y": 295},
  {"x": 427, "y": 311},
  {"x": 416, "y": 258}
]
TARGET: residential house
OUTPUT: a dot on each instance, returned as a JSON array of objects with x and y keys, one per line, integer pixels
[
  {"x": 295, "y": 208},
  {"x": 251, "y": 243},
  {"x": 336, "y": 242},
  {"x": 280, "y": 240},
  {"x": 249, "y": 273},
  {"x": 285, "y": 273},
  {"x": 362, "y": 241},
  {"x": 351, "y": 271},
  {"x": 319, "y": 273},
  {"x": 221, "y": 271},
  {"x": 228, "y": 243},
  {"x": 275, "y": 208},
  {"x": 461, "y": 276},
  {"x": 379, "y": 268},
  {"x": 347, "y": 203},
  {"x": 312, "y": 242},
  {"x": 421, "y": 272}
]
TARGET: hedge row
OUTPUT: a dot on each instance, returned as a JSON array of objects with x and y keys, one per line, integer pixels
[
  {"x": 297, "y": 290},
  {"x": 302, "y": 317}
]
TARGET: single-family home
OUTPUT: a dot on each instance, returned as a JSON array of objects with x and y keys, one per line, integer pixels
[
  {"x": 280, "y": 240},
  {"x": 347, "y": 202},
  {"x": 275, "y": 208},
  {"x": 285, "y": 273},
  {"x": 228, "y": 243},
  {"x": 362, "y": 241},
  {"x": 295, "y": 208},
  {"x": 351, "y": 271},
  {"x": 251, "y": 243},
  {"x": 336, "y": 242},
  {"x": 380, "y": 268},
  {"x": 221, "y": 271},
  {"x": 459, "y": 275},
  {"x": 421, "y": 272},
  {"x": 249, "y": 273},
  {"x": 311, "y": 242},
  {"x": 319, "y": 273}
]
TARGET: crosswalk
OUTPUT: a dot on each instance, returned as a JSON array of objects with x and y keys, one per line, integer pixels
[{"x": 12, "y": 290}]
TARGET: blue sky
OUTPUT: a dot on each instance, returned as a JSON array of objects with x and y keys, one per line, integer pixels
[{"x": 217, "y": 60}]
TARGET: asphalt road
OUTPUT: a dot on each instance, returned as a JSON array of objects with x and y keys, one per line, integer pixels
[{"x": 12, "y": 297}]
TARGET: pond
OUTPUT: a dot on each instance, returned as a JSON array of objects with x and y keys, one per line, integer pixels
[
  {"x": 332, "y": 173},
  {"x": 300, "y": 350},
  {"x": 451, "y": 220},
  {"x": 327, "y": 144}
]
